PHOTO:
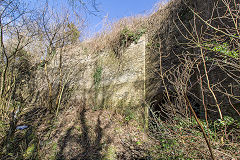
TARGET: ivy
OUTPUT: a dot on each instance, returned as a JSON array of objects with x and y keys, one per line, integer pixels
[
  {"x": 97, "y": 76},
  {"x": 224, "y": 49},
  {"x": 127, "y": 36},
  {"x": 97, "y": 80},
  {"x": 125, "y": 39}
]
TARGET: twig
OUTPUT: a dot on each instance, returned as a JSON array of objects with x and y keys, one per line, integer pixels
[{"x": 201, "y": 127}]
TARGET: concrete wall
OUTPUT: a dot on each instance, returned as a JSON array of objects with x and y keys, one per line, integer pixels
[{"x": 105, "y": 80}]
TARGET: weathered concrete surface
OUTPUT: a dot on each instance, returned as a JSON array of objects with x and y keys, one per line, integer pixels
[
  {"x": 104, "y": 79},
  {"x": 107, "y": 80}
]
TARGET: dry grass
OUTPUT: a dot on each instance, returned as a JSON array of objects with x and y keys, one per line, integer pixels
[
  {"x": 166, "y": 29},
  {"x": 110, "y": 36},
  {"x": 81, "y": 133}
]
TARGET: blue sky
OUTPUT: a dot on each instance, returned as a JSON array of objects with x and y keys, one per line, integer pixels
[
  {"x": 112, "y": 9},
  {"x": 116, "y": 9}
]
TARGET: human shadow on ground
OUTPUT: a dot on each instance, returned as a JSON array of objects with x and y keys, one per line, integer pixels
[{"x": 83, "y": 146}]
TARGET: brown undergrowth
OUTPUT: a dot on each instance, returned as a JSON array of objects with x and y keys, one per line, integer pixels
[
  {"x": 77, "y": 131},
  {"x": 82, "y": 133}
]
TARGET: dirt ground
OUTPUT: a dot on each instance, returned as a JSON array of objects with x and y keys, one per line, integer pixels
[{"x": 82, "y": 133}]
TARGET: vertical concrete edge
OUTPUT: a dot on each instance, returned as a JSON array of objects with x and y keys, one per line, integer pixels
[{"x": 146, "y": 110}]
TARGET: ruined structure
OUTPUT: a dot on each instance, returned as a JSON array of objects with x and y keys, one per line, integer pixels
[{"x": 163, "y": 67}]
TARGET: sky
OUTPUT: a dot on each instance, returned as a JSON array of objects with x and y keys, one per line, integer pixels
[
  {"x": 112, "y": 9},
  {"x": 117, "y": 9}
]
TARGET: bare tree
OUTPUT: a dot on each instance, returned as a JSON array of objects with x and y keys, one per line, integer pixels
[
  {"x": 15, "y": 35},
  {"x": 21, "y": 30}
]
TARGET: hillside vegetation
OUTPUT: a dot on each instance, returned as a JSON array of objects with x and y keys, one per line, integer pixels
[{"x": 191, "y": 88}]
